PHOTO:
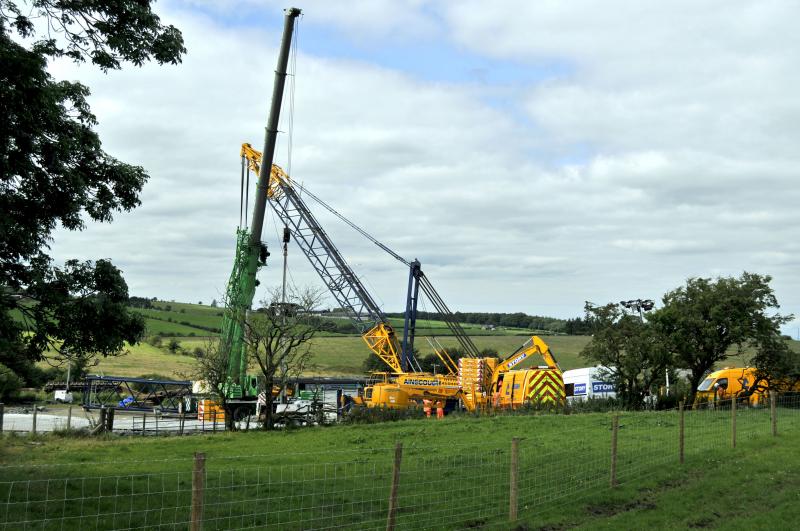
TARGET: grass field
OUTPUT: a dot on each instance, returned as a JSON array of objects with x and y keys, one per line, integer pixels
[
  {"x": 334, "y": 354},
  {"x": 342, "y": 355},
  {"x": 183, "y": 319},
  {"x": 454, "y": 475},
  {"x": 145, "y": 359}
]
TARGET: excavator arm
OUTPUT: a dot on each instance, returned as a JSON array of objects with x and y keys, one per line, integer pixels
[{"x": 534, "y": 345}]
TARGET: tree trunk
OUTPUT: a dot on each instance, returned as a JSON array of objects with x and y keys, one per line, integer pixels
[
  {"x": 269, "y": 420},
  {"x": 230, "y": 422},
  {"x": 694, "y": 382}
]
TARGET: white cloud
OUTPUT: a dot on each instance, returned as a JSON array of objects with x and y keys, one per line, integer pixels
[{"x": 666, "y": 149}]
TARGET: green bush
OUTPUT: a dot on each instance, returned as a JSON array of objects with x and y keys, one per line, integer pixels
[
  {"x": 367, "y": 415},
  {"x": 174, "y": 347},
  {"x": 154, "y": 341},
  {"x": 10, "y": 383}
]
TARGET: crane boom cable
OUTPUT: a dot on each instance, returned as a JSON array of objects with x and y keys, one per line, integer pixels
[
  {"x": 292, "y": 84},
  {"x": 441, "y": 307},
  {"x": 448, "y": 317},
  {"x": 355, "y": 227}
]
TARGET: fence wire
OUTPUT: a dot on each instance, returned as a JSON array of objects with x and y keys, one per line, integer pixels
[{"x": 442, "y": 487}]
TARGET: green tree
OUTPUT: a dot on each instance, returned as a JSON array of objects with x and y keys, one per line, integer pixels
[
  {"x": 704, "y": 319},
  {"x": 776, "y": 364},
  {"x": 174, "y": 347},
  {"x": 53, "y": 171},
  {"x": 10, "y": 383},
  {"x": 631, "y": 351},
  {"x": 279, "y": 342},
  {"x": 212, "y": 368}
]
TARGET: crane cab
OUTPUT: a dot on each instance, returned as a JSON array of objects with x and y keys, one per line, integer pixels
[{"x": 387, "y": 395}]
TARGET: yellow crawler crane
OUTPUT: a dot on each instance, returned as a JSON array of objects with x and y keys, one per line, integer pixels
[{"x": 405, "y": 385}]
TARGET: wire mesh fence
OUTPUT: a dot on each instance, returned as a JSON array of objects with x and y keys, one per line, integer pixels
[{"x": 414, "y": 486}]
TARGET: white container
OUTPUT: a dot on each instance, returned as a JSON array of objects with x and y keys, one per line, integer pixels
[
  {"x": 587, "y": 382},
  {"x": 63, "y": 396}
]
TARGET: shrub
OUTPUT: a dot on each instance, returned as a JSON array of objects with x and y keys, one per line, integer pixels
[
  {"x": 372, "y": 415},
  {"x": 10, "y": 383},
  {"x": 173, "y": 346}
]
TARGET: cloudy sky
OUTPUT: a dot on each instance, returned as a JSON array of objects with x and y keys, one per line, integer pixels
[{"x": 532, "y": 155}]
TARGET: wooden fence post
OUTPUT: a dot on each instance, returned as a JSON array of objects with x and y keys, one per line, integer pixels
[
  {"x": 398, "y": 456},
  {"x": 33, "y": 427},
  {"x": 144, "y": 422},
  {"x": 214, "y": 420},
  {"x": 2, "y": 414},
  {"x": 155, "y": 414},
  {"x": 513, "y": 492},
  {"x": 773, "y": 413},
  {"x": 182, "y": 421},
  {"x": 69, "y": 417},
  {"x": 110, "y": 419},
  {"x": 198, "y": 489},
  {"x": 733, "y": 422},
  {"x": 682, "y": 432},
  {"x": 102, "y": 424},
  {"x": 614, "y": 431}
]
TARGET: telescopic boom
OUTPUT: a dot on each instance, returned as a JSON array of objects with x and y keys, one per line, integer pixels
[{"x": 250, "y": 252}]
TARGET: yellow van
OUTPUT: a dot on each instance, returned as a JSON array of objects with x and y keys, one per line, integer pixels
[{"x": 731, "y": 382}]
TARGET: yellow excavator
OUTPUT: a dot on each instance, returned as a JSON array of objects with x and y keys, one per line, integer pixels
[
  {"x": 489, "y": 382},
  {"x": 474, "y": 381}
]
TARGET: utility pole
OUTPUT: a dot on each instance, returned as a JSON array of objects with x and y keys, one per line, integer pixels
[{"x": 69, "y": 367}]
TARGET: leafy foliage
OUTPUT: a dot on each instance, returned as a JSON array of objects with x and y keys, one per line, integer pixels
[
  {"x": 53, "y": 171},
  {"x": 633, "y": 353},
  {"x": 704, "y": 319},
  {"x": 10, "y": 383},
  {"x": 106, "y": 33},
  {"x": 776, "y": 364},
  {"x": 279, "y": 342}
]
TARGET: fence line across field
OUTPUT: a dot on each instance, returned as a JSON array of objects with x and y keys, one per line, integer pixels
[{"x": 409, "y": 487}]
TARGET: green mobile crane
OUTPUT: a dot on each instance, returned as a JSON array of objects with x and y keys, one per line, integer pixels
[{"x": 251, "y": 252}]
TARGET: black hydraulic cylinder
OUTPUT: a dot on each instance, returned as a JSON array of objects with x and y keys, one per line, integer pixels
[{"x": 268, "y": 153}]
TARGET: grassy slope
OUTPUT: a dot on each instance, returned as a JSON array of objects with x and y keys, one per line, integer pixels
[
  {"x": 195, "y": 319},
  {"x": 458, "y": 466},
  {"x": 341, "y": 355},
  {"x": 334, "y": 354},
  {"x": 344, "y": 355},
  {"x": 146, "y": 359}
]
